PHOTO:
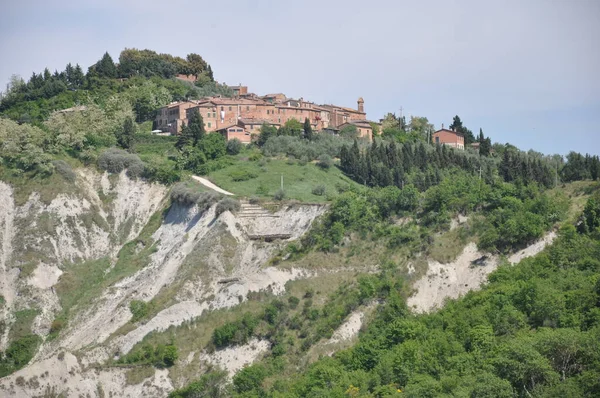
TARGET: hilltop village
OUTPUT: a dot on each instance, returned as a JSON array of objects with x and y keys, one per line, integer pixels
[{"x": 243, "y": 114}]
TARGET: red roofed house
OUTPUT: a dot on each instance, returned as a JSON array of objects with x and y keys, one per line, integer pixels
[{"x": 451, "y": 138}]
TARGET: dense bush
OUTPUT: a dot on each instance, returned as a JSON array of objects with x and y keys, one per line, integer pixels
[
  {"x": 139, "y": 309},
  {"x": 227, "y": 204},
  {"x": 236, "y": 332},
  {"x": 319, "y": 190},
  {"x": 116, "y": 160},
  {"x": 181, "y": 194},
  {"x": 161, "y": 355},
  {"x": 325, "y": 162},
  {"x": 279, "y": 195},
  {"x": 18, "y": 354},
  {"x": 242, "y": 175},
  {"x": 234, "y": 146},
  {"x": 64, "y": 169}
]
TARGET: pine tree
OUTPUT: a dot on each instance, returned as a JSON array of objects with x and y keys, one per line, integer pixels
[{"x": 106, "y": 67}]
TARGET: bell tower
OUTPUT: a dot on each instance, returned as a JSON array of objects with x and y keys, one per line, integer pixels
[{"x": 361, "y": 105}]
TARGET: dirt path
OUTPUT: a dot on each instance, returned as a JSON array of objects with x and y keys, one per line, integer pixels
[{"x": 212, "y": 186}]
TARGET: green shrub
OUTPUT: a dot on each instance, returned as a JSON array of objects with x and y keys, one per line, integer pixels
[
  {"x": 242, "y": 175},
  {"x": 236, "y": 332},
  {"x": 319, "y": 190},
  {"x": 279, "y": 195},
  {"x": 255, "y": 157},
  {"x": 234, "y": 146},
  {"x": 188, "y": 197},
  {"x": 227, "y": 204},
  {"x": 325, "y": 162},
  {"x": 293, "y": 301},
  {"x": 19, "y": 353},
  {"x": 116, "y": 160},
  {"x": 139, "y": 309}
]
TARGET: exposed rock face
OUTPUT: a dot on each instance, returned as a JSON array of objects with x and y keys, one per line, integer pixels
[{"x": 192, "y": 250}]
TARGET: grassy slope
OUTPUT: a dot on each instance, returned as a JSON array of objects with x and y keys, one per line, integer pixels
[{"x": 298, "y": 180}]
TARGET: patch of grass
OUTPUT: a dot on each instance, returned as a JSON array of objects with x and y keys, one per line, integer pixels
[
  {"x": 137, "y": 374},
  {"x": 447, "y": 246},
  {"x": 298, "y": 181},
  {"x": 24, "y": 184},
  {"x": 23, "y": 322},
  {"x": 80, "y": 283}
]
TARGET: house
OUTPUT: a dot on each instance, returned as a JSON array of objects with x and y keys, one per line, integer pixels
[
  {"x": 451, "y": 138},
  {"x": 363, "y": 128},
  {"x": 236, "y": 130},
  {"x": 172, "y": 117}
]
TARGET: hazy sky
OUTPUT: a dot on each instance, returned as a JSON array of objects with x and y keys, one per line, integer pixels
[{"x": 526, "y": 71}]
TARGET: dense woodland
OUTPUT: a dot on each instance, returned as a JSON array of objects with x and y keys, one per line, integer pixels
[{"x": 532, "y": 331}]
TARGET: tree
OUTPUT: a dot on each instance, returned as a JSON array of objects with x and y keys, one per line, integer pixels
[
  {"x": 349, "y": 131},
  {"x": 213, "y": 146},
  {"x": 106, "y": 67},
  {"x": 193, "y": 132},
  {"x": 196, "y": 64},
  {"x": 234, "y": 146},
  {"x": 126, "y": 137},
  {"x": 308, "y": 133},
  {"x": 390, "y": 121},
  {"x": 421, "y": 127},
  {"x": 266, "y": 131},
  {"x": 485, "y": 144},
  {"x": 291, "y": 127}
]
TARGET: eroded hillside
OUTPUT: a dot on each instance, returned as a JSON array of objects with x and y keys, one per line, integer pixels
[{"x": 77, "y": 262}]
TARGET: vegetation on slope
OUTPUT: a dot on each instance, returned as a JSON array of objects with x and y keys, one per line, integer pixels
[{"x": 532, "y": 331}]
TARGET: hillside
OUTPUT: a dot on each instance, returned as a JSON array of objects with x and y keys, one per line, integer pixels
[{"x": 386, "y": 268}]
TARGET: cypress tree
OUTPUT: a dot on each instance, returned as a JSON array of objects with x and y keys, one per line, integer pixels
[{"x": 308, "y": 133}]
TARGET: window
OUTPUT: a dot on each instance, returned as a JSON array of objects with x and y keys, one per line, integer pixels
[
  {"x": 267, "y": 111},
  {"x": 239, "y": 130},
  {"x": 437, "y": 140},
  {"x": 229, "y": 109},
  {"x": 222, "y": 108},
  {"x": 209, "y": 125},
  {"x": 248, "y": 107}
]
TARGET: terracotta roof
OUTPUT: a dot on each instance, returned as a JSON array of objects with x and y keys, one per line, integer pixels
[
  {"x": 257, "y": 121},
  {"x": 335, "y": 107}
]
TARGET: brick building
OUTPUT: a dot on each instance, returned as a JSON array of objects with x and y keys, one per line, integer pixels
[{"x": 451, "y": 138}]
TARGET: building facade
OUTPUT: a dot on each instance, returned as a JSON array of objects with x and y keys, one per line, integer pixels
[{"x": 451, "y": 138}]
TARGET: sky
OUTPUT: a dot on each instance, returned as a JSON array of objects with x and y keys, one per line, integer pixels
[{"x": 525, "y": 71}]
